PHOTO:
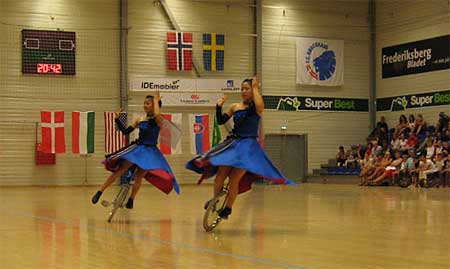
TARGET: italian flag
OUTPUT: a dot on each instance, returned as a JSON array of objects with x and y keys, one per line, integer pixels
[{"x": 83, "y": 132}]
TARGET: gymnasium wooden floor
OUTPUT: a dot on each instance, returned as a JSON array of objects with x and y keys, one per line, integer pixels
[{"x": 307, "y": 226}]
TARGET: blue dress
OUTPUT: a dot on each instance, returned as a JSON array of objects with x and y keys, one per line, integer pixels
[
  {"x": 145, "y": 154},
  {"x": 240, "y": 150}
]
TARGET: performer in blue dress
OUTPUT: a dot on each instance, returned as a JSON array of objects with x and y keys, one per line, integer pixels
[
  {"x": 142, "y": 154},
  {"x": 239, "y": 157}
]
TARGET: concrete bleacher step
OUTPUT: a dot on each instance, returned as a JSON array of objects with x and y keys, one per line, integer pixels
[
  {"x": 318, "y": 172},
  {"x": 337, "y": 179},
  {"x": 332, "y": 162},
  {"x": 325, "y": 166}
]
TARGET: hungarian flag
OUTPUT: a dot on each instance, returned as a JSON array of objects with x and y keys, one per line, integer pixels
[
  {"x": 179, "y": 51},
  {"x": 83, "y": 124},
  {"x": 213, "y": 51},
  {"x": 217, "y": 136},
  {"x": 199, "y": 129},
  {"x": 170, "y": 134},
  {"x": 52, "y": 128}
]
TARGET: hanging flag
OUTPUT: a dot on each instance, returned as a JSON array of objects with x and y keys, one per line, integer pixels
[
  {"x": 170, "y": 134},
  {"x": 83, "y": 127},
  {"x": 179, "y": 51},
  {"x": 217, "y": 136},
  {"x": 199, "y": 129},
  {"x": 114, "y": 139},
  {"x": 52, "y": 128},
  {"x": 320, "y": 61},
  {"x": 43, "y": 158},
  {"x": 213, "y": 51}
]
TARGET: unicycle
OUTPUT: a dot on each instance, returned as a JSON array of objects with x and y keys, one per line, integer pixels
[
  {"x": 120, "y": 198},
  {"x": 211, "y": 218}
]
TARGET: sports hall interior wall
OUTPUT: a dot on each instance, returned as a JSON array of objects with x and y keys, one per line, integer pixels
[
  {"x": 399, "y": 22},
  {"x": 346, "y": 20},
  {"x": 95, "y": 87}
]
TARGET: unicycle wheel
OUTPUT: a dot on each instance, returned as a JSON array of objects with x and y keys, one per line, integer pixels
[
  {"x": 211, "y": 218},
  {"x": 118, "y": 201}
]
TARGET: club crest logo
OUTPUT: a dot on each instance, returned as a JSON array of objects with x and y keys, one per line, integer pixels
[{"x": 320, "y": 61}]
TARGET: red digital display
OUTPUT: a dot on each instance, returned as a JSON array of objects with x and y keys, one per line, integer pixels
[{"x": 49, "y": 68}]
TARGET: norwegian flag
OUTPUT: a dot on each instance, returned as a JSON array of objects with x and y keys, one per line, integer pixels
[
  {"x": 179, "y": 51},
  {"x": 114, "y": 139}
]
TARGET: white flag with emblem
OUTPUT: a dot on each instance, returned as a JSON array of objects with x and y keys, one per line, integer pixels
[{"x": 320, "y": 61}]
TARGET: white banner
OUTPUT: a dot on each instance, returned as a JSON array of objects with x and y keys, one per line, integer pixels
[
  {"x": 219, "y": 85},
  {"x": 190, "y": 99},
  {"x": 185, "y": 85},
  {"x": 162, "y": 84},
  {"x": 320, "y": 61}
]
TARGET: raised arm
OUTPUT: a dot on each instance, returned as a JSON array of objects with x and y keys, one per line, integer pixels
[
  {"x": 157, "y": 109},
  {"x": 222, "y": 118},
  {"x": 122, "y": 128},
  {"x": 257, "y": 97}
]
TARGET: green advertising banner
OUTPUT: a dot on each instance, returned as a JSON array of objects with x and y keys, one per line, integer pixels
[
  {"x": 300, "y": 103},
  {"x": 398, "y": 103}
]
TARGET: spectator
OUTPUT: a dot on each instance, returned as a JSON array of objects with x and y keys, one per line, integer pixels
[
  {"x": 401, "y": 126},
  {"x": 382, "y": 129},
  {"x": 445, "y": 172},
  {"x": 340, "y": 157},
  {"x": 425, "y": 142},
  {"x": 411, "y": 162},
  {"x": 380, "y": 168},
  {"x": 396, "y": 142},
  {"x": 420, "y": 127},
  {"x": 412, "y": 140},
  {"x": 376, "y": 149},
  {"x": 404, "y": 166},
  {"x": 391, "y": 170},
  {"x": 445, "y": 149},
  {"x": 437, "y": 146},
  {"x": 442, "y": 124},
  {"x": 411, "y": 123},
  {"x": 385, "y": 145},
  {"x": 360, "y": 155},
  {"x": 367, "y": 155},
  {"x": 351, "y": 160},
  {"x": 426, "y": 167},
  {"x": 446, "y": 136},
  {"x": 431, "y": 150},
  {"x": 403, "y": 144},
  {"x": 369, "y": 168}
]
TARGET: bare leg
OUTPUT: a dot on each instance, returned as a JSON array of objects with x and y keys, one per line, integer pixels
[
  {"x": 137, "y": 182},
  {"x": 122, "y": 169},
  {"x": 233, "y": 189},
  {"x": 221, "y": 175},
  {"x": 376, "y": 173},
  {"x": 379, "y": 179}
]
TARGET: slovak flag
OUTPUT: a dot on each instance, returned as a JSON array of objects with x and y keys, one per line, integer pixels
[
  {"x": 179, "y": 51},
  {"x": 199, "y": 129},
  {"x": 52, "y": 132},
  {"x": 170, "y": 134}
]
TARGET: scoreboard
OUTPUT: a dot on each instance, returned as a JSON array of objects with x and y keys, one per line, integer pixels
[{"x": 48, "y": 52}]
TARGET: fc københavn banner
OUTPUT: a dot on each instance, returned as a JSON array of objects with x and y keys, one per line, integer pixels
[{"x": 320, "y": 61}]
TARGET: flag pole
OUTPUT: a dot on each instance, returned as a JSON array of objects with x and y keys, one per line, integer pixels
[{"x": 85, "y": 168}]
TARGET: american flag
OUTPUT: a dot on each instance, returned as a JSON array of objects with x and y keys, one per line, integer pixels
[
  {"x": 114, "y": 139},
  {"x": 179, "y": 51}
]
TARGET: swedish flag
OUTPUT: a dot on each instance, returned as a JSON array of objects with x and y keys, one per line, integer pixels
[{"x": 213, "y": 51}]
